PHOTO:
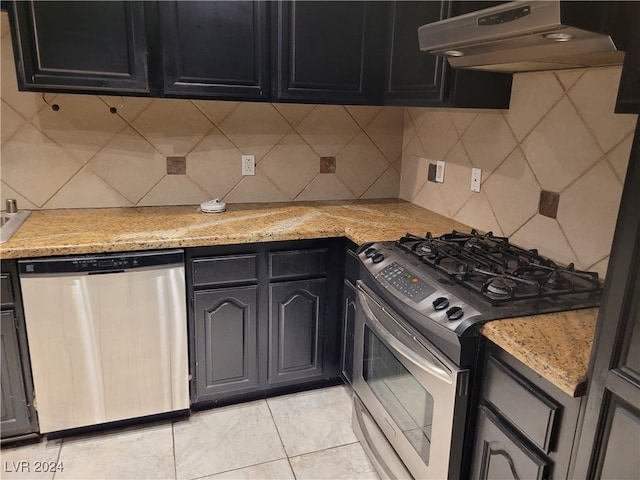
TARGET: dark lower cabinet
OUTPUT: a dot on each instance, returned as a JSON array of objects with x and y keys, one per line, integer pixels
[
  {"x": 525, "y": 427},
  {"x": 501, "y": 455},
  {"x": 349, "y": 292},
  {"x": 215, "y": 49},
  {"x": 263, "y": 318},
  {"x": 97, "y": 46},
  {"x": 296, "y": 325},
  {"x": 226, "y": 333},
  {"x": 18, "y": 413},
  {"x": 348, "y": 325}
]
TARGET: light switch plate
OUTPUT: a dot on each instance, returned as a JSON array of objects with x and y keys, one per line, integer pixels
[
  {"x": 440, "y": 171},
  {"x": 476, "y": 177}
]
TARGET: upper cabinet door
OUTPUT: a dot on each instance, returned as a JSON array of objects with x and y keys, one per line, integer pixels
[
  {"x": 629, "y": 94},
  {"x": 412, "y": 74},
  {"x": 215, "y": 49},
  {"x": 416, "y": 78},
  {"x": 330, "y": 52},
  {"x": 80, "y": 46}
]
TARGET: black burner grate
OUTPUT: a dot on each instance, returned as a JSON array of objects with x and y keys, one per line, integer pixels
[{"x": 497, "y": 270}]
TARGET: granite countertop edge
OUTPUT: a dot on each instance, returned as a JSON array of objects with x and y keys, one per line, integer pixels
[{"x": 545, "y": 343}]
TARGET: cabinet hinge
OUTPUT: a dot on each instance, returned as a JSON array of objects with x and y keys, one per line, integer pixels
[{"x": 15, "y": 322}]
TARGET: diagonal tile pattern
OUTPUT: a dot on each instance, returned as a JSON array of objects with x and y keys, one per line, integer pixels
[
  {"x": 125, "y": 154},
  {"x": 560, "y": 134},
  {"x": 559, "y": 128},
  {"x": 304, "y": 435}
]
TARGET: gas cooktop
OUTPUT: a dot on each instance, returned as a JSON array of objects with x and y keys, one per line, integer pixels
[{"x": 461, "y": 279}]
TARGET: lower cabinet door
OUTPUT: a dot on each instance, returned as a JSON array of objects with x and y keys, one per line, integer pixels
[
  {"x": 15, "y": 413},
  {"x": 226, "y": 342},
  {"x": 296, "y": 326},
  {"x": 348, "y": 329},
  {"x": 500, "y": 455}
]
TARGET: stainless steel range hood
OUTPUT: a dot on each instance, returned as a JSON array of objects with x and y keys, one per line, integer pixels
[{"x": 533, "y": 35}]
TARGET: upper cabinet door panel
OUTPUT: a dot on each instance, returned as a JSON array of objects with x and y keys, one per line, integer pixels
[
  {"x": 216, "y": 48},
  {"x": 412, "y": 73},
  {"x": 326, "y": 49},
  {"x": 97, "y": 45},
  {"x": 420, "y": 79}
]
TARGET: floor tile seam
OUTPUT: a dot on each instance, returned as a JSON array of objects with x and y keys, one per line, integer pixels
[
  {"x": 57, "y": 459},
  {"x": 173, "y": 449},
  {"x": 324, "y": 449},
  {"x": 275, "y": 424},
  {"x": 235, "y": 469}
]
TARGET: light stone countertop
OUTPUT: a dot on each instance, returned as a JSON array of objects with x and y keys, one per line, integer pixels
[{"x": 557, "y": 346}]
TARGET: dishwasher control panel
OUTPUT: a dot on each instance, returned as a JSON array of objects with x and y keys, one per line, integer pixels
[{"x": 103, "y": 263}]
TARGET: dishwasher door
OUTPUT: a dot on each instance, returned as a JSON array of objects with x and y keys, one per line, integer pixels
[{"x": 107, "y": 347}]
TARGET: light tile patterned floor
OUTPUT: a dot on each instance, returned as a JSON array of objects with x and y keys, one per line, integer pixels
[{"x": 305, "y": 435}]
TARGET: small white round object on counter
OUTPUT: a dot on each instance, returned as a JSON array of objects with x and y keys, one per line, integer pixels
[{"x": 213, "y": 206}]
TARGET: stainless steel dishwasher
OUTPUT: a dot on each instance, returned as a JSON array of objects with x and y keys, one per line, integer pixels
[{"x": 107, "y": 336}]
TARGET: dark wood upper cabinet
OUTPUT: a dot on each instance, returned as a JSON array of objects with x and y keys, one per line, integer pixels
[
  {"x": 218, "y": 49},
  {"x": 329, "y": 52},
  {"x": 80, "y": 46},
  {"x": 414, "y": 75},
  {"x": 421, "y": 79},
  {"x": 629, "y": 93},
  {"x": 334, "y": 52}
]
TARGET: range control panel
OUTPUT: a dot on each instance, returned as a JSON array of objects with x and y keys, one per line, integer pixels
[
  {"x": 421, "y": 291},
  {"x": 406, "y": 282}
]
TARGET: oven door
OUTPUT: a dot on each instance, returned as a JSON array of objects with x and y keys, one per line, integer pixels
[{"x": 416, "y": 396}]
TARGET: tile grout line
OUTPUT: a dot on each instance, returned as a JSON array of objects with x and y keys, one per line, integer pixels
[
  {"x": 280, "y": 437},
  {"x": 173, "y": 442}
]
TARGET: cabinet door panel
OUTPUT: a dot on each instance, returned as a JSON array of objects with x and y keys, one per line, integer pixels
[
  {"x": 499, "y": 455},
  {"x": 620, "y": 452},
  {"x": 414, "y": 74},
  {"x": 226, "y": 347},
  {"x": 326, "y": 50},
  {"x": 348, "y": 325},
  {"x": 521, "y": 403},
  {"x": 216, "y": 48},
  {"x": 66, "y": 45},
  {"x": 15, "y": 415},
  {"x": 296, "y": 330}
]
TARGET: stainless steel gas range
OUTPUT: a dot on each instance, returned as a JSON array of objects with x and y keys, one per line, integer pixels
[{"x": 420, "y": 303}]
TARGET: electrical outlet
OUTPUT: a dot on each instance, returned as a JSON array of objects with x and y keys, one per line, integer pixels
[
  {"x": 248, "y": 164},
  {"x": 476, "y": 177},
  {"x": 440, "y": 171}
]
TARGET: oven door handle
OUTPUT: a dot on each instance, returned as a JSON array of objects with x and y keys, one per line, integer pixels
[{"x": 424, "y": 361}]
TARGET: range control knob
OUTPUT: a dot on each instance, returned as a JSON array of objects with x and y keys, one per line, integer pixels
[
  {"x": 454, "y": 313},
  {"x": 441, "y": 303},
  {"x": 370, "y": 252},
  {"x": 377, "y": 258}
]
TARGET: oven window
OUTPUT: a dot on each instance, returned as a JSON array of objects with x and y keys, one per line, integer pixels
[{"x": 402, "y": 396}]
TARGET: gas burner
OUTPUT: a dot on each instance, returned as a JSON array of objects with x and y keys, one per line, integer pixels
[
  {"x": 500, "y": 287},
  {"x": 558, "y": 281},
  {"x": 496, "y": 270}
]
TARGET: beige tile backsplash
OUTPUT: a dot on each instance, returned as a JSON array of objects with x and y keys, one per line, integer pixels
[
  {"x": 560, "y": 134},
  {"x": 84, "y": 156}
]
